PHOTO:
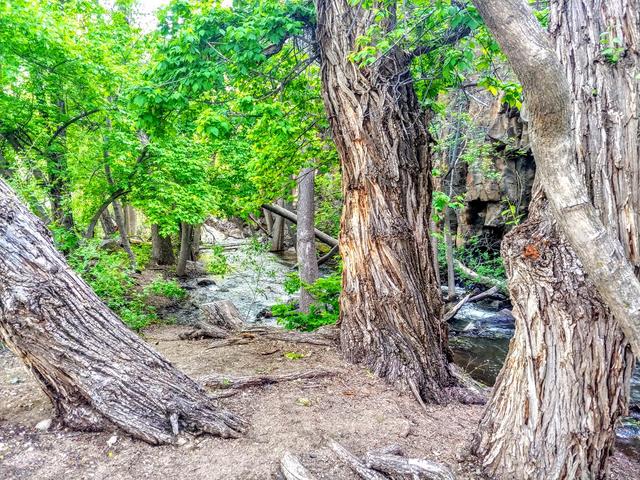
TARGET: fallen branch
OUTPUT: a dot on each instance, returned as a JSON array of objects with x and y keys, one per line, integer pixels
[
  {"x": 409, "y": 468},
  {"x": 328, "y": 256},
  {"x": 292, "y": 468},
  {"x": 468, "y": 299},
  {"x": 226, "y": 381},
  {"x": 476, "y": 277},
  {"x": 228, "y": 342},
  {"x": 292, "y": 217},
  {"x": 355, "y": 463}
]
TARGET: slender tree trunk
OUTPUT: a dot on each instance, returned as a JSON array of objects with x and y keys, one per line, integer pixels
[
  {"x": 119, "y": 217},
  {"x": 277, "y": 232},
  {"x": 390, "y": 306},
  {"x": 306, "y": 237},
  {"x": 161, "y": 248},
  {"x": 58, "y": 179},
  {"x": 131, "y": 220},
  {"x": 451, "y": 273},
  {"x": 566, "y": 378},
  {"x": 268, "y": 220},
  {"x": 186, "y": 237},
  {"x": 96, "y": 372}
]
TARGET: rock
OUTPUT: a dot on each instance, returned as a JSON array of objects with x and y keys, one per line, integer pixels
[
  {"x": 110, "y": 244},
  {"x": 206, "y": 282},
  {"x": 44, "y": 425},
  {"x": 182, "y": 441},
  {"x": 469, "y": 327},
  {"x": 15, "y": 380},
  {"x": 112, "y": 440}
]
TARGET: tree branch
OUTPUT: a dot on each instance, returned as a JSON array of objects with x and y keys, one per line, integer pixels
[{"x": 69, "y": 122}]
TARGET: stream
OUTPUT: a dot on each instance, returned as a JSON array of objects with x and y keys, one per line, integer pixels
[{"x": 479, "y": 333}]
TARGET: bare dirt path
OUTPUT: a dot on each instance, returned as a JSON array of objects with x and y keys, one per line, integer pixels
[{"x": 353, "y": 407}]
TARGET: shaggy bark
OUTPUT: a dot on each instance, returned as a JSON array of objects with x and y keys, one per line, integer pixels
[
  {"x": 565, "y": 380},
  {"x": 305, "y": 238},
  {"x": 161, "y": 248},
  {"x": 390, "y": 307},
  {"x": 96, "y": 372}
]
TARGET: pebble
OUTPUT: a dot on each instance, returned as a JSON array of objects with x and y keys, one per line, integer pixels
[
  {"x": 15, "y": 380},
  {"x": 112, "y": 441},
  {"x": 44, "y": 425}
]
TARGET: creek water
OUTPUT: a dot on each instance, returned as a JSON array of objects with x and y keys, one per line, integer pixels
[{"x": 479, "y": 333}]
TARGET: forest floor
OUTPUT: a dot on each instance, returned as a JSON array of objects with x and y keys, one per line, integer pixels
[{"x": 353, "y": 407}]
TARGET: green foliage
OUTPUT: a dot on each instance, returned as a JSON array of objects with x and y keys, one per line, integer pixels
[
  {"x": 324, "y": 310},
  {"x": 293, "y": 355},
  {"x": 166, "y": 288},
  {"x": 612, "y": 48},
  {"x": 511, "y": 213},
  {"x": 215, "y": 261},
  {"x": 108, "y": 274},
  {"x": 481, "y": 258}
]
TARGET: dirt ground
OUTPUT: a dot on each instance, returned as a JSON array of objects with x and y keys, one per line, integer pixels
[{"x": 354, "y": 408}]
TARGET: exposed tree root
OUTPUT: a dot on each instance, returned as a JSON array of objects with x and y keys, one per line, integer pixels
[{"x": 226, "y": 381}]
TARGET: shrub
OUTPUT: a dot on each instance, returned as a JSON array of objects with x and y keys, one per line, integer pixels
[
  {"x": 324, "y": 311},
  {"x": 166, "y": 288}
]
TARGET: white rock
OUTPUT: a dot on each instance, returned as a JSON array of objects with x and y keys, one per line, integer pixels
[
  {"x": 44, "y": 425},
  {"x": 112, "y": 441}
]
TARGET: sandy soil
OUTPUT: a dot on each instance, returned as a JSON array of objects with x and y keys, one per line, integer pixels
[{"x": 355, "y": 408}]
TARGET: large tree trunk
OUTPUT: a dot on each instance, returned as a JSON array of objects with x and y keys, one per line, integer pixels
[
  {"x": 97, "y": 373},
  {"x": 161, "y": 248},
  {"x": 565, "y": 380},
  {"x": 109, "y": 226},
  {"x": 305, "y": 237},
  {"x": 390, "y": 307}
]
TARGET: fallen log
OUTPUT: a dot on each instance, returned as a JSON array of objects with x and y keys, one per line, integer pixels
[
  {"x": 408, "y": 468},
  {"x": 227, "y": 381},
  {"x": 355, "y": 463},
  {"x": 476, "y": 277},
  {"x": 292, "y": 217},
  {"x": 292, "y": 468},
  {"x": 468, "y": 299}
]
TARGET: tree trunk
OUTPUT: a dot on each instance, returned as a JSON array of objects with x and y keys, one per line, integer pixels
[
  {"x": 186, "y": 236},
  {"x": 130, "y": 220},
  {"x": 58, "y": 179},
  {"x": 305, "y": 237},
  {"x": 119, "y": 216},
  {"x": 566, "y": 378},
  {"x": 161, "y": 248},
  {"x": 390, "y": 306},
  {"x": 97, "y": 373},
  {"x": 109, "y": 226},
  {"x": 277, "y": 232}
]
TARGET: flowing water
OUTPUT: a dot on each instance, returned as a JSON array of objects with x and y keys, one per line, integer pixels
[{"x": 479, "y": 333}]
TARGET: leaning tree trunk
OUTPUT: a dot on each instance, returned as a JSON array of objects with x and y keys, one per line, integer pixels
[
  {"x": 161, "y": 248},
  {"x": 109, "y": 226},
  {"x": 277, "y": 232},
  {"x": 306, "y": 237},
  {"x": 96, "y": 372},
  {"x": 390, "y": 306},
  {"x": 565, "y": 380},
  {"x": 184, "y": 255}
]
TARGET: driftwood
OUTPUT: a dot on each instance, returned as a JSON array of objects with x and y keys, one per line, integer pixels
[
  {"x": 292, "y": 468},
  {"x": 355, "y": 463},
  {"x": 468, "y": 299},
  {"x": 398, "y": 467},
  {"x": 226, "y": 381},
  {"x": 217, "y": 320}
]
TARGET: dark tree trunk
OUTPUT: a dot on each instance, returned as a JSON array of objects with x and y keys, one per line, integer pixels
[
  {"x": 306, "y": 237},
  {"x": 130, "y": 220},
  {"x": 186, "y": 239},
  {"x": 109, "y": 226},
  {"x": 161, "y": 248},
  {"x": 97, "y": 373},
  {"x": 390, "y": 307},
  {"x": 566, "y": 378}
]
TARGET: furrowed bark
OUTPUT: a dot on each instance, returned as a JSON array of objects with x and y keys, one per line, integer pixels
[
  {"x": 565, "y": 381},
  {"x": 97, "y": 373},
  {"x": 305, "y": 238},
  {"x": 161, "y": 248},
  {"x": 390, "y": 307},
  {"x": 549, "y": 100}
]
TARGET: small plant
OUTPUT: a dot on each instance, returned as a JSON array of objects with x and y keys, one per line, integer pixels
[
  {"x": 216, "y": 262},
  {"x": 166, "y": 288},
  {"x": 324, "y": 311},
  {"x": 511, "y": 214},
  {"x": 612, "y": 47},
  {"x": 293, "y": 355}
]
